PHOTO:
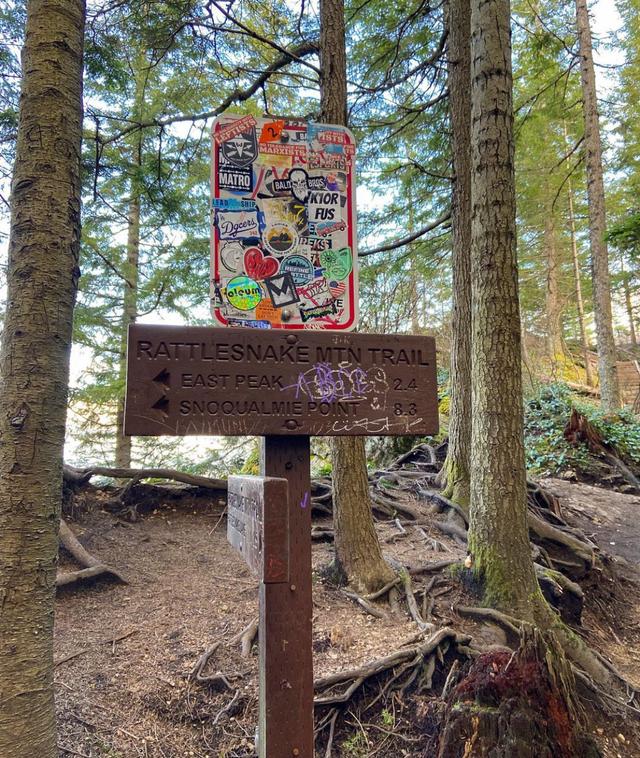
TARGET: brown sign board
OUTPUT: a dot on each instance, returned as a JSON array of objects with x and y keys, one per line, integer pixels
[
  {"x": 201, "y": 380},
  {"x": 258, "y": 524}
]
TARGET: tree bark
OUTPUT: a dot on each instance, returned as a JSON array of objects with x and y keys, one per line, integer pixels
[
  {"x": 629, "y": 306},
  {"x": 609, "y": 388},
  {"x": 498, "y": 532},
  {"x": 34, "y": 366},
  {"x": 358, "y": 553},
  {"x": 130, "y": 270},
  {"x": 552, "y": 300},
  {"x": 456, "y": 467},
  {"x": 576, "y": 271},
  {"x": 129, "y": 316}
]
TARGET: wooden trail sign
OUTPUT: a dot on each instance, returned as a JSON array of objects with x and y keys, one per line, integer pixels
[
  {"x": 258, "y": 524},
  {"x": 199, "y": 380},
  {"x": 285, "y": 385}
]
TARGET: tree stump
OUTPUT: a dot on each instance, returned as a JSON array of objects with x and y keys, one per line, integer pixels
[{"x": 514, "y": 705}]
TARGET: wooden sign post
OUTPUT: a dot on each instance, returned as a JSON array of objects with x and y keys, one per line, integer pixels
[{"x": 285, "y": 386}]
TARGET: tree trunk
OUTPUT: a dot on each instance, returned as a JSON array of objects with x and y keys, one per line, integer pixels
[
  {"x": 576, "y": 272},
  {"x": 609, "y": 388},
  {"x": 498, "y": 534},
  {"x": 130, "y": 271},
  {"x": 129, "y": 316},
  {"x": 358, "y": 553},
  {"x": 34, "y": 366},
  {"x": 629, "y": 307},
  {"x": 552, "y": 300},
  {"x": 456, "y": 466}
]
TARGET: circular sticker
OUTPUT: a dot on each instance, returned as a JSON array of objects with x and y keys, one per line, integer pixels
[
  {"x": 243, "y": 293},
  {"x": 280, "y": 238},
  {"x": 300, "y": 268},
  {"x": 231, "y": 255}
]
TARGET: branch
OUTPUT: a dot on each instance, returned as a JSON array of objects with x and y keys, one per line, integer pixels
[
  {"x": 237, "y": 96},
  {"x": 406, "y": 240}
]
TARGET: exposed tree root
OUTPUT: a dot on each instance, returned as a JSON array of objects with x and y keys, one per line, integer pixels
[
  {"x": 93, "y": 567},
  {"x": 400, "y": 662},
  {"x": 81, "y": 476},
  {"x": 588, "y": 663}
]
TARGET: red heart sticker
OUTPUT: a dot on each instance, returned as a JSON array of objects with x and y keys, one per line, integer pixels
[{"x": 257, "y": 266}]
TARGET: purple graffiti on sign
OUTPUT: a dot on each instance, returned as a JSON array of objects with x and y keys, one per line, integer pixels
[{"x": 328, "y": 384}]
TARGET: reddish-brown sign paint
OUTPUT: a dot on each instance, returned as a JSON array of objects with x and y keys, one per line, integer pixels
[{"x": 199, "y": 380}]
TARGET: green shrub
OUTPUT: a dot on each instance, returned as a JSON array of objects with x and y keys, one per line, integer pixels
[{"x": 546, "y": 416}]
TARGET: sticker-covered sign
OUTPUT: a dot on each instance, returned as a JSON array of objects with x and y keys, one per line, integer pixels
[{"x": 283, "y": 224}]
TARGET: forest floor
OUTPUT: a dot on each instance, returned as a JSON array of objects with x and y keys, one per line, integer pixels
[{"x": 123, "y": 652}]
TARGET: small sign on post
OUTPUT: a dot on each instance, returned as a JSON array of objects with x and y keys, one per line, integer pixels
[{"x": 258, "y": 524}]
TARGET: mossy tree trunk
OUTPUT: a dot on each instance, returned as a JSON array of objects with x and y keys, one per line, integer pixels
[
  {"x": 34, "y": 365},
  {"x": 553, "y": 302},
  {"x": 576, "y": 272},
  {"x": 358, "y": 553},
  {"x": 498, "y": 532},
  {"x": 609, "y": 387},
  {"x": 456, "y": 466}
]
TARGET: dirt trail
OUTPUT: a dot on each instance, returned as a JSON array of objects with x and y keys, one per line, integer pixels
[
  {"x": 123, "y": 652},
  {"x": 612, "y": 518}
]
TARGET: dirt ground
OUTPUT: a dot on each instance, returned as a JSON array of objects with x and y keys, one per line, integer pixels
[{"x": 123, "y": 652}]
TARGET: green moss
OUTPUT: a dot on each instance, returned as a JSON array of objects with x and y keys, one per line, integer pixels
[{"x": 457, "y": 487}]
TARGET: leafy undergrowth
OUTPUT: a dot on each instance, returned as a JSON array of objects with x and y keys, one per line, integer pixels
[{"x": 548, "y": 453}]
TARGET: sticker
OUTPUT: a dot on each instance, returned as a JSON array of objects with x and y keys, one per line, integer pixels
[
  {"x": 337, "y": 289},
  {"x": 271, "y": 132},
  {"x": 318, "y": 311},
  {"x": 269, "y": 148},
  {"x": 277, "y": 209},
  {"x": 282, "y": 290},
  {"x": 315, "y": 244},
  {"x": 280, "y": 239},
  {"x": 274, "y": 161},
  {"x": 217, "y": 294},
  {"x": 324, "y": 205},
  {"x": 233, "y": 204},
  {"x": 234, "y": 178},
  {"x": 241, "y": 149},
  {"x": 337, "y": 263},
  {"x": 325, "y": 160},
  {"x": 330, "y": 136},
  {"x": 300, "y": 268},
  {"x": 316, "y": 293},
  {"x": 234, "y": 128},
  {"x": 325, "y": 228},
  {"x": 243, "y": 293},
  {"x": 299, "y": 184},
  {"x": 257, "y": 266},
  {"x": 267, "y": 311},
  {"x": 252, "y": 324},
  {"x": 235, "y": 225},
  {"x": 232, "y": 256}
]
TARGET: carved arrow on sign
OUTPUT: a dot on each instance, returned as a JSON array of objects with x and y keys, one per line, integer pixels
[
  {"x": 162, "y": 405},
  {"x": 163, "y": 378}
]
